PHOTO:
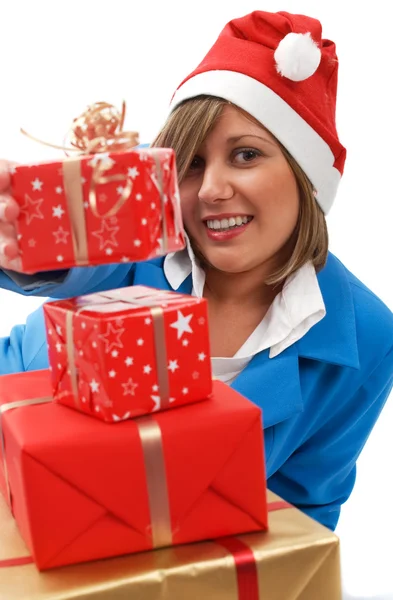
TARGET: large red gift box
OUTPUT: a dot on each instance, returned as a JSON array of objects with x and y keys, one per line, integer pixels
[
  {"x": 82, "y": 490},
  {"x": 128, "y": 352},
  {"x": 95, "y": 209}
]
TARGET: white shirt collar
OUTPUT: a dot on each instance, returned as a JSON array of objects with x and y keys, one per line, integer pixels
[{"x": 297, "y": 308}]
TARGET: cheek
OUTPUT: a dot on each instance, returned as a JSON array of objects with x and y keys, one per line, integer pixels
[
  {"x": 281, "y": 207},
  {"x": 189, "y": 204}
]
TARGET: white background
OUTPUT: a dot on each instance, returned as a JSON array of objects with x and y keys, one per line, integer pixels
[{"x": 56, "y": 57}]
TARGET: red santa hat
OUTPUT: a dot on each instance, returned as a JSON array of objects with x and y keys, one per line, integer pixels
[{"x": 277, "y": 67}]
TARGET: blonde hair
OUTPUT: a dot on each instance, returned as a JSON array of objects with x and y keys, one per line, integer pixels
[{"x": 187, "y": 128}]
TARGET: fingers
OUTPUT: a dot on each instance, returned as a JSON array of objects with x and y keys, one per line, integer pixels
[
  {"x": 5, "y": 179},
  {"x": 9, "y": 209},
  {"x": 9, "y": 212},
  {"x": 9, "y": 250}
]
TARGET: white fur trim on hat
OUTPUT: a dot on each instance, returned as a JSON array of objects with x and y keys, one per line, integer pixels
[
  {"x": 307, "y": 147},
  {"x": 297, "y": 56}
]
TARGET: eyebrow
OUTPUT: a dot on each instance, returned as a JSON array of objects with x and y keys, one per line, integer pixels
[{"x": 239, "y": 137}]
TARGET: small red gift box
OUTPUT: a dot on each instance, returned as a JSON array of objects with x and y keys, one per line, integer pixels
[
  {"x": 81, "y": 490},
  {"x": 128, "y": 352},
  {"x": 90, "y": 210}
]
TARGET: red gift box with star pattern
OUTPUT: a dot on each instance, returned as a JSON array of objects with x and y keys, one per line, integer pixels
[
  {"x": 128, "y": 352},
  {"x": 94, "y": 209}
]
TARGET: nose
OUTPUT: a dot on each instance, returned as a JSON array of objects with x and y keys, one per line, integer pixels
[{"x": 216, "y": 184}]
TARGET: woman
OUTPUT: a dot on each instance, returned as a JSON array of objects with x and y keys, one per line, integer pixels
[{"x": 291, "y": 328}]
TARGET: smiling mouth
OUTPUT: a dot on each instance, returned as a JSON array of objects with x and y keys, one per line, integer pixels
[{"x": 227, "y": 224}]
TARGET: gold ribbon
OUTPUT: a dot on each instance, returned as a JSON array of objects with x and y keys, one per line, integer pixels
[
  {"x": 73, "y": 190},
  {"x": 157, "y": 488},
  {"x": 160, "y": 187},
  {"x": 71, "y": 357},
  {"x": 97, "y": 179},
  {"x": 72, "y": 183},
  {"x": 4, "y": 408},
  {"x": 128, "y": 296}
]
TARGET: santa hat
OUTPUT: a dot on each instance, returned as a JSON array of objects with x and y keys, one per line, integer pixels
[{"x": 277, "y": 67}]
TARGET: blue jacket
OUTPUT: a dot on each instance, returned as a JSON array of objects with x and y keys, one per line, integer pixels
[{"x": 320, "y": 398}]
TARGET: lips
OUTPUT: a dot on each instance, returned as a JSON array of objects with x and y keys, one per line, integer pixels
[
  {"x": 225, "y": 223},
  {"x": 218, "y": 233}
]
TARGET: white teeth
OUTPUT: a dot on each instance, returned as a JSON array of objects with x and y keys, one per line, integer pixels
[{"x": 227, "y": 223}]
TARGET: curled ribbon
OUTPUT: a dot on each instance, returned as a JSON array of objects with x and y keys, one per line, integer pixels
[{"x": 98, "y": 129}]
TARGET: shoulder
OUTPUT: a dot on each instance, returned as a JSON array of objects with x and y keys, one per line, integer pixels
[{"x": 373, "y": 318}]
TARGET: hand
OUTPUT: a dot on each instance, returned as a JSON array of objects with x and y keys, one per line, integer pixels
[{"x": 9, "y": 212}]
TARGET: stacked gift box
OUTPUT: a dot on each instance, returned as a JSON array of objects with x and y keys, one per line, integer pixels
[{"x": 125, "y": 445}]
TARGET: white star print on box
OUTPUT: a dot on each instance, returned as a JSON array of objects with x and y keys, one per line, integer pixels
[
  {"x": 126, "y": 416},
  {"x": 112, "y": 337},
  {"x": 173, "y": 365},
  {"x": 133, "y": 172},
  {"x": 95, "y": 386},
  {"x": 106, "y": 235},
  {"x": 58, "y": 211},
  {"x": 157, "y": 402},
  {"x": 37, "y": 184},
  {"x": 129, "y": 387},
  {"x": 32, "y": 209},
  {"x": 61, "y": 235},
  {"x": 182, "y": 324}
]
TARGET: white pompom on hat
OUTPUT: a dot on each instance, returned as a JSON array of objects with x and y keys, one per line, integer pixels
[
  {"x": 297, "y": 56},
  {"x": 277, "y": 67}
]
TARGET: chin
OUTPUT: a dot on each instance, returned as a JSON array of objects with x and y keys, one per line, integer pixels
[{"x": 228, "y": 265}]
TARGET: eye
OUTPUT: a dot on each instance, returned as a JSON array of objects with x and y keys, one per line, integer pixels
[
  {"x": 196, "y": 164},
  {"x": 246, "y": 155}
]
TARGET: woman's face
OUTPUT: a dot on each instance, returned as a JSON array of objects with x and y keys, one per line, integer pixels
[{"x": 239, "y": 199}]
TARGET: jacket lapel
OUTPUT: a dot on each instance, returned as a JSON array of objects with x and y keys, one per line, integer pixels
[
  {"x": 274, "y": 383},
  {"x": 333, "y": 340}
]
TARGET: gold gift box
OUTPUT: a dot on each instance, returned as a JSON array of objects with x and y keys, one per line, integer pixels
[{"x": 297, "y": 559}]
